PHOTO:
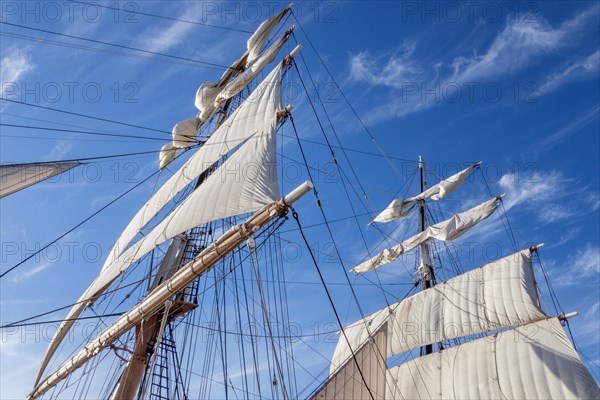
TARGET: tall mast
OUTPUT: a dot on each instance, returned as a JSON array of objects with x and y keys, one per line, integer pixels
[{"x": 425, "y": 270}]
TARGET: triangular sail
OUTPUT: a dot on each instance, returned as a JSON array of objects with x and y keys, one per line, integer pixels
[
  {"x": 348, "y": 382},
  {"x": 535, "y": 361},
  {"x": 256, "y": 114},
  {"x": 15, "y": 177},
  {"x": 449, "y": 229},
  {"x": 244, "y": 183},
  {"x": 498, "y": 295},
  {"x": 399, "y": 208}
]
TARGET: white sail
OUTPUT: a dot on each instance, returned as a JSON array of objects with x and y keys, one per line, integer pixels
[
  {"x": 166, "y": 155},
  {"x": 255, "y": 115},
  {"x": 535, "y": 361},
  {"x": 449, "y": 229},
  {"x": 368, "y": 382},
  {"x": 244, "y": 183},
  {"x": 185, "y": 132},
  {"x": 15, "y": 177},
  {"x": 498, "y": 295},
  {"x": 399, "y": 208},
  {"x": 244, "y": 78},
  {"x": 257, "y": 41},
  {"x": 207, "y": 93}
]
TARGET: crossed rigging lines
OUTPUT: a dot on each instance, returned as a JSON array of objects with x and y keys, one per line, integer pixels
[{"x": 208, "y": 64}]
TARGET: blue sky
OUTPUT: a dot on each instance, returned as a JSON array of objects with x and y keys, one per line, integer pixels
[{"x": 515, "y": 85}]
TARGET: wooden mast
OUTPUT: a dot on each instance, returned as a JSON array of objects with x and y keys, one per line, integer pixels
[
  {"x": 425, "y": 269},
  {"x": 156, "y": 300}
]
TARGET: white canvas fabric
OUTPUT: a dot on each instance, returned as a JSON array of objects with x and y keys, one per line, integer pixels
[
  {"x": 255, "y": 118},
  {"x": 498, "y": 295},
  {"x": 243, "y": 79},
  {"x": 255, "y": 115},
  {"x": 449, "y": 229},
  {"x": 20, "y": 176},
  {"x": 257, "y": 41},
  {"x": 166, "y": 155},
  {"x": 205, "y": 99},
  {"x": 347, "y": 381},
  {"x": 185, "y": 132},
  {"x": 400, "y": 208},
  {"x": 535, "y": 361}
]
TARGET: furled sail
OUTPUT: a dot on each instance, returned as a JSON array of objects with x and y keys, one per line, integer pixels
[
  {"x": 535, "y": 361},
  {"x": 15, "y": 177},
  {"x": 449, "y": 229},
  {"x": 244, "y": 78},
  {"x": 399, "y": 208},
  {"x": 185, "y": 132},
  {"x": 348, "y": 382},
  {"x": 498, "y": 295},
  {"x": 248, "y": 174},
  {"x": 257, "y": 41}
]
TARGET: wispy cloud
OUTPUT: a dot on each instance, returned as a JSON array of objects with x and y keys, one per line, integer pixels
[
  {"x": 23, "y": 276},
  {"x": 580, "y": 69},
  {"x": 14, "y": 65},
  {"x": 60, "y": 149},
  {"x": 396, "y": 69},
  {"x": 571, "y": 128},
  {"x": 520, "y": 44},
  {"x": 545, "y": 194},
  {"x": 160, "y": 39},
  {"x": 583, "y": 267}
]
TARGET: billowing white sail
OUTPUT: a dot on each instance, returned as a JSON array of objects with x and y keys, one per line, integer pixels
[
  {"x": 368, "y": 382},
  {"x": 166, "y": 155},
  {"x": 185, "y": 132},
  {"x": 255, "y": 115},
  {"x": 449, "y": 229},
  {"x": 535, "y": 361},
  {"x": 15, "y": 177},
  {"x": 244, "y": 183},
  {"x": 399, "y": 208},
  {"x": 498, "y": 295}
]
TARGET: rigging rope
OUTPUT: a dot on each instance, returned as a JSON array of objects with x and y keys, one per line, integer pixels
[
  {"x": 82, "y": 222},
  {"x": 339, "y": 321},
  {"x": 85, "y": 116},
  {"x": 205, "y": 63},
  {"x": 137, "y": 12}
]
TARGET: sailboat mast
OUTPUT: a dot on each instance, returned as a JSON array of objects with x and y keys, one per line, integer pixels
[{"x": 425, "y": 270}]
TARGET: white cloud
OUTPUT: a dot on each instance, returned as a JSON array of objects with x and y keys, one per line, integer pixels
[
  {"x": 396, "y": 70},
  {"x": 539, "y": 188},
  {"x": 582, "y": 267},
  {"x": 23, "y": 276},
  {"x": 547, "y": 195},
  {"x": 14, "y": 65},
  {"x": 521, "y": 44},
  {"x": 161, "y": 39},
  {"x": 60, "y": 149},
  {"x": 586, "y": 262},
  {"x": 571, "y": 128},
  {"x": 580, "y": 69}
]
